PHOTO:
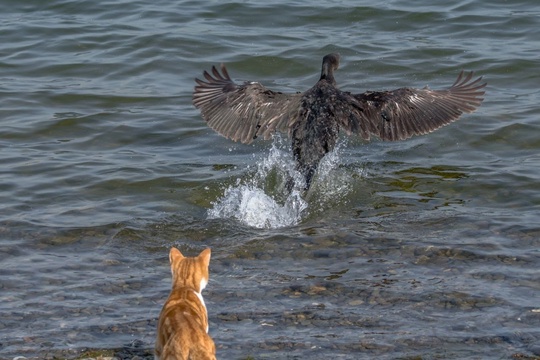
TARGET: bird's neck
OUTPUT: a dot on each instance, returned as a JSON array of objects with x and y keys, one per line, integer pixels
[{"x": 327, "y": 73}]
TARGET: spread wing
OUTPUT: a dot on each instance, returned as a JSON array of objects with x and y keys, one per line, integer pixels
[
  {"x": 243, "y": 112},
  {"x": 402, "y": 113}
]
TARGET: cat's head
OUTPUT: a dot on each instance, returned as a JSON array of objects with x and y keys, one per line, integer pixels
[{"x": 189, "y": 271}]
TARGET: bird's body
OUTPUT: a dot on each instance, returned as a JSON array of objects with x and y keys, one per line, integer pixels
[
  {"x": 314, "y": 118},
  {"x": 317, "y": 132}
]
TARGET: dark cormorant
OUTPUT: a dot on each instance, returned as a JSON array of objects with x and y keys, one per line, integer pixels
[{"x": 314, "y": 118}]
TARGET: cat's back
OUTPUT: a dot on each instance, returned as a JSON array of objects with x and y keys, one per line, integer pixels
[
  {"x": 183, "y": 327},
  {"x": 183, "y": 309}
]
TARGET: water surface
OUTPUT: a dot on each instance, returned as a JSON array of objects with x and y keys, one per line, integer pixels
[{"x": 420, "y": 249}]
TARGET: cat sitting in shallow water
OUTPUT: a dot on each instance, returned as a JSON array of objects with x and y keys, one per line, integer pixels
[{"x": 182, "y": 332}]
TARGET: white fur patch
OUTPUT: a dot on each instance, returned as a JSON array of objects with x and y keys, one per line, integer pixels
[
  {"x": 204, "y": 282},
  {"x": 202, "y": 302}
]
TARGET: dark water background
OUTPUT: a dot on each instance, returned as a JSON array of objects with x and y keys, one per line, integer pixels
[{"x": 421, "y": 249}]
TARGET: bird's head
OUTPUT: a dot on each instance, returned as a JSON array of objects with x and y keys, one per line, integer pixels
[{"x": 330, "y": 63}]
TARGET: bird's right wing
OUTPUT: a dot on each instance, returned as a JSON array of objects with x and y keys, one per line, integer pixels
[{"x": 243, "y": 112}]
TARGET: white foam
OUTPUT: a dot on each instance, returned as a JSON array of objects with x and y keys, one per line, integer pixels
[{"x": 251, "y": 206}]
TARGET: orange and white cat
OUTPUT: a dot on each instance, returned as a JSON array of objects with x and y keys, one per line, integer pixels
[{"x": 182, "y": 332}]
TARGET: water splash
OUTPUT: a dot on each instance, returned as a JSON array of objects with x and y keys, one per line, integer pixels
[
  {"x": 263, "y": 199},
  {"x": 334, "y": 179},
  {"x": 251, "y": 206}
]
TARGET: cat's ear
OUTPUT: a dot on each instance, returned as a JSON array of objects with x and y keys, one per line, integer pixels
[
  {"x": 205, "y": 256},
  {"x": 175, "y": 255}
]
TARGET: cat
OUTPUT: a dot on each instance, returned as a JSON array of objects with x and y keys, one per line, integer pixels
[{"x": 182, "y": 332}]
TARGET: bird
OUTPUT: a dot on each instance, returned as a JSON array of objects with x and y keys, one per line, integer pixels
[{"x": 313, "y": 119}]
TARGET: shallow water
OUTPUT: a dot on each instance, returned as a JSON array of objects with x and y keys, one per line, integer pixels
[{"x": 421, "y": 249}]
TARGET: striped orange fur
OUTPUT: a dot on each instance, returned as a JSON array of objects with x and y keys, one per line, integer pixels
[{"x": 182, "y": 332}]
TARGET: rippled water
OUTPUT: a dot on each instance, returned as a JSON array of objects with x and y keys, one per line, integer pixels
[{"x": 421, "y": 249}]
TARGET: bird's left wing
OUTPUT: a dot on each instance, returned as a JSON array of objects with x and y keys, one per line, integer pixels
[
  {"x": 402, "y": 113},
  {"x": 243, "y": 112}
]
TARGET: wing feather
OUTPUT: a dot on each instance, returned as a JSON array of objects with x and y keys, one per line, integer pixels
[
  {"x": 243, "y": 112},
  {"x": 402, "y": 113}
]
